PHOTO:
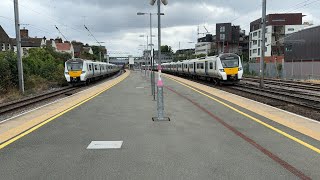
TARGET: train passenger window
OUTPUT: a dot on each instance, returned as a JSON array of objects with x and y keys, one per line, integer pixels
[
  {"x": 95, "y": 67},
  {"x": 90, "y": 68},
  {"x": 202, "y": 66},
  {"x": 215, "y": 65},
  {"x": 211, "y": 65}
]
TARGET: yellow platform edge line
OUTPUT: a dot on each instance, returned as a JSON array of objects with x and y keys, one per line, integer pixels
[
  {"x": 313, "y": 148},
  {"x": 3, "y": 145}
]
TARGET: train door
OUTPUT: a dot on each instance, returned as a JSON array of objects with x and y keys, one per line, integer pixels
[
  {"x": 206, "y": 67},
  {"x": 194, "y": 67},
  {"x": 92, "y": 69}
]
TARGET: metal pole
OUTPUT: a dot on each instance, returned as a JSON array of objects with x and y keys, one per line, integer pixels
[
  {"x": 263, "y": 21},
  {"x": 153, "y": 78},
  {"x": 19, "y": 52},
  {"x": 100, "y": 54},
  {"x": 160, "y": 104},
  {"x": 147, "y": 52},
  {"x": 152, "y": 60}
]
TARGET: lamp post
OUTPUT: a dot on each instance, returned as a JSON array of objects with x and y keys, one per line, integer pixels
[
  {"x": 145, "y": 60},
  {"x": 160, "y": 104},
  {"x": 152, "y": 76}
]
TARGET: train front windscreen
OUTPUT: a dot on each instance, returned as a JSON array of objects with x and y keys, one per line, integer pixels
[
  {"x": 74, "y": 65},
  {"x": 230, "y": 61}
]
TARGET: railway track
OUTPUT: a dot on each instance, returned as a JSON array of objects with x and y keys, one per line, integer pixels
[
  {"x": 12, "y": 106},
  {"x": 290, "y": 96},
  {"x": 287, "y": 83},
  {"x": 7, "y": 109},
  {"x": 284, "y": 95}
]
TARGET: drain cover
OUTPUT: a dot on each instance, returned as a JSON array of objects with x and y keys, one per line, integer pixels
[{"x": 105, "y": 145}]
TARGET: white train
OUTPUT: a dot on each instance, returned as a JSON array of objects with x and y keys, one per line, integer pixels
[
  {"x": 225, "y": 68},
  {"x": 83, "y": 71}
]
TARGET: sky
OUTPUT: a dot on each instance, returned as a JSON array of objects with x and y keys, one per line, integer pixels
[{"x": 115, "y": 22}]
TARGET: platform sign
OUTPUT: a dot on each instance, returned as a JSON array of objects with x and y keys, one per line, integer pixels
[{"x": 131, "y": 60}]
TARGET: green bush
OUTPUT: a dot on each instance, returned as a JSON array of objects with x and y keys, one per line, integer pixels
[
  {"x": 43, "y": 67},
  {"x": 8, "y": 71}
]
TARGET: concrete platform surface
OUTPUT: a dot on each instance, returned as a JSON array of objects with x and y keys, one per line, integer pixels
[{"x": 204, "y": 140}]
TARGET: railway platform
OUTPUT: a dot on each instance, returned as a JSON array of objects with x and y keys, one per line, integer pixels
[{"x": 107, "y": 132}]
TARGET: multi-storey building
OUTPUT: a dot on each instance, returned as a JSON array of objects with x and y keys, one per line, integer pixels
[
  {"x": 231, "y": 39},
  {"x": 278, "y": 26},
  {"x": 303, "y": 45},
  {"x": 205, "y": 45}
]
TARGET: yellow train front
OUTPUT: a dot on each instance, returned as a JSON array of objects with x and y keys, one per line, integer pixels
[{"x": 78, "y": 71}]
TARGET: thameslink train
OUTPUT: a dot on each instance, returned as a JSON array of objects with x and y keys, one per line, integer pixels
[
  {"x": 79, "y": 71},
  {"x": 223, "y": 68}
]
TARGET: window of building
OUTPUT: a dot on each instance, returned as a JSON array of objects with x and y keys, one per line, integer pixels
[
  {"x": 250, "y": 52},
  {"x": 3, "y": 47},
  {"x": 211, "y": 65},
  {"x": 222, "y": 28},
  {"x": 265, "y": 49},
  {"x": 254, "y": 51},
  {"x": 259, "y": 43},
  {"x": 259, "y": 34},
  {"x": 289, "y": 48},
  {"x": 222, "y": 36},
  {"x": 255, "y": 42},
  {"x": 250, "y": 44},
  {"x": 255, "y": 34},
  {"x": 258, "y": 51}
]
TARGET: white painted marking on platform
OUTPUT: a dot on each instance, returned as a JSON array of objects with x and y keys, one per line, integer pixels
[
  {"x": 139, "y": 87},
  {"x": 105, "y": 145}
]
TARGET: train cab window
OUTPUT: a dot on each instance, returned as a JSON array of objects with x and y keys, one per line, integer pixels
[{"x": 211, "y": 65}]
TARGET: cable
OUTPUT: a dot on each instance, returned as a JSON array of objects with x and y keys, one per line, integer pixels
[
  {"x": 61, "y": 33},
  {"x": 92, "y": 35}
]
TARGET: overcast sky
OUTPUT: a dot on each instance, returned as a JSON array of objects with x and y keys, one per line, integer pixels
[{"x": 115, "y": 21}]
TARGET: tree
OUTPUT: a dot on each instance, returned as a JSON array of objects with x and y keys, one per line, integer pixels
[{"x": 166, "y": 49}]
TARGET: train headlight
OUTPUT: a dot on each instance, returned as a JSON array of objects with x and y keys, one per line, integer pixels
[
  {"x": 221, "y": 70},
  {"x": 240, "y": 68},
  {"x": 83, "y": 72}
]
